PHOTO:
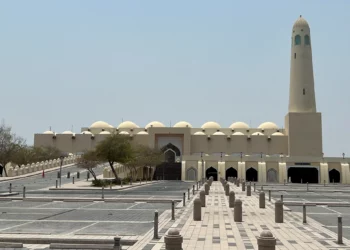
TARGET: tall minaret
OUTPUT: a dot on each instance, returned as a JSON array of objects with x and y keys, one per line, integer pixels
[
  {"x": 303, "y": 123},
  {"x": 302, "y": 91}
]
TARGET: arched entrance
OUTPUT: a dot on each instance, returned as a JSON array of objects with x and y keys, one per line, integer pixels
[
  {"x": 191, "y": 174},
  {"x": 271, "y": 175},
  {"x": 334, "y": 176},
  {"x": 230, "y": 172},
  {"x": 211, "y": 172},
  {"x": 251, "y": 174},
  {"x": 170, "y": 169},
  {"x": 303, "y": 174}
]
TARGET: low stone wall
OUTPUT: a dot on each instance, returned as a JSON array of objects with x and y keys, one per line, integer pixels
[{"x": 39, "y": 166}]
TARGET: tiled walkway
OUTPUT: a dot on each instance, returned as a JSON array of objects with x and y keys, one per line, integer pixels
[{"x": 217, "y": 230}]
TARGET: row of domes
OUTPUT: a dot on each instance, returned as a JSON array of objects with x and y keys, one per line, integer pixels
[
  {"x": 145, "y": 133},
  {"x": 182, "y": 124}
]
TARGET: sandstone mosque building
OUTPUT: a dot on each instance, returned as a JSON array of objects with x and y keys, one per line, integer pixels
[{"x": 267, "y": 153}]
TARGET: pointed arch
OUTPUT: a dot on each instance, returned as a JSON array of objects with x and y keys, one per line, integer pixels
[
  {"x": 297, "y": 40},
  {"x": 334, "y": 176},
  {"x": 307, "y": 39},
  {"x": 172, "y": 147},
  {"x": 191, "y": 174}
]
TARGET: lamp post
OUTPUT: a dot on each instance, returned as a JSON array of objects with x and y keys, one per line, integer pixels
[
  {"x": 61, "y": 158},
  {"x": 241, "y": 155},
  {"x": 203, "y": 174},
  {"x": 343, "y": 155}
]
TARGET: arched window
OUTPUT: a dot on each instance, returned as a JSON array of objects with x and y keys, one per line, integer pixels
[
  {"x": 297, "y": 40},
  {"x": 307, "y": 40}
]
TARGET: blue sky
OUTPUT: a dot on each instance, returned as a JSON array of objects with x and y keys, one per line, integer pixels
[{"x": 70, "y": 63}]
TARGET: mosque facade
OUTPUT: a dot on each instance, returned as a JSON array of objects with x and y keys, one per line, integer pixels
[{"x": 267, "y": 153}]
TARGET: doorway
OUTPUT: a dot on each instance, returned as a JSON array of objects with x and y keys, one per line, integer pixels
[
  {"x": 334, "y": 176},
  {"x": 303, "y": 174},
  {"x": 251, "y": 174},
  {"x": 211, "y": 172},
  {"x": 230, "y": 172}
]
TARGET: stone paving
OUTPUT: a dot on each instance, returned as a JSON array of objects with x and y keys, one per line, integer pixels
[{"x": 217, "y": 230}]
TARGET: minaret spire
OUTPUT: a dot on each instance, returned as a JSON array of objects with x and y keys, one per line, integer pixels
[{"x": 302, "y": 91}]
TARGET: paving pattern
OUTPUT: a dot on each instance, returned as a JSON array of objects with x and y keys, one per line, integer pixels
[{"x": 217, "y": 230}]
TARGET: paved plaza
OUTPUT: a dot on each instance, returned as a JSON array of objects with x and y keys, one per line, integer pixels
[
  {"x": 81, "y": 214},
  {"x": 217, "y": 230}
]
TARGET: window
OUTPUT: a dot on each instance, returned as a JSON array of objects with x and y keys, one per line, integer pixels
[
  {"x": 295, "y": 55},
  {"x": 307, "y": 40},
  {"x": 303, "y": 91},
  {"x": 297, "y": 40}
]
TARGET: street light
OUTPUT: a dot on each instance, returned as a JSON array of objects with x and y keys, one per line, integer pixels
[
  {"x": 203, "y": 176},
  {"x": 61, "y": 158}
]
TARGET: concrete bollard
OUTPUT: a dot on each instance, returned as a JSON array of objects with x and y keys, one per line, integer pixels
[
  {"x": 249, "y": 190},
  {"x": 266, "y": 241},
  {"x": 184, "y": 199},
  {"x": 10, "y": 188},
  {"x": 188, "y": 194},
  {"x": 243, "y": 186},
  {"x": 117, "y": 243},
  {"x": 324, "y": 183},
  {"x": 284, "y": 182},
  {"x": 173, "y": 240},
  {"x": 110, "y": 185},
  {"x": 262, "y": 200},
  {"x": 307, "y": 186},
  {"x": 254, "y": 187},
  {"x": 24, "y": 192},
  {"x": 58, "y": 175},
  {"x": 73, "y": 179},
  {"x": 206, "y": 189},
  {"x": 202, "y": 198},
  {"x": 68, "y": 175},
  {"x": 56, "y": 183},
  {"x": 340, "y": 230},
  {"x": 304, "y": 213},
  {"x": 193, "y": 190},
  {"x": 262, "y": 188},
  {"x": 227, "y": 189},
  {"x": 103, "y": 194},
  {"x": 282, "y": 197},
  {"x": 155, "y": 226},
  {"x": 197, "y": 210},
  {"x": 237, "y": 212},
  {"x": 279, "y": 211},
  {"x": 172, "y": 210},
  {"x": 87, "y": 176},
  {"x": 238, "y": 181},
  {"x": 78, "y": 175},
  {"x": 269, "y": 195},
  {"x": 232, "y": 199}
]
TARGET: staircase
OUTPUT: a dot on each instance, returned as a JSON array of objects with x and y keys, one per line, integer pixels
[{"x": 170, "y": 171}]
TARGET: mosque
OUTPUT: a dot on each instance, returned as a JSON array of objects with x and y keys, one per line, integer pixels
[{"x": 267, "y": 153}]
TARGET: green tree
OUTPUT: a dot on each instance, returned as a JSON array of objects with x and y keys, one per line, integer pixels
[
  {"x": 10, "y": 144},
  {"x": 89, "y": 161},
  {"x": 115, "y": 149}
]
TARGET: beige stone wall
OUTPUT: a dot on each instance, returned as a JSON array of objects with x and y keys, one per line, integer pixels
[{"x": 304, "y": 131}]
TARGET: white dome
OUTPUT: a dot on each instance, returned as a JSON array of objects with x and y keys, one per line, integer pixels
[
  {"x": 278, "y": 134},
  {"x": 127, "y": 124},
  {"x": 239, "y": 125},
  {"x": 237, "y": 133},
  {"x": 100, "y": 124},
  {"x": 301, "y": 23},
  {"x": 218, "y": 133},
  {"x": 86, "y": 133},
  {"x": 67, "y": 132},
  {"x": 268, "y": 125},
  {"x": 257, "y": 133},
  {"x": 142, "y": 133},
  {"x": 182, "y": 124},
  {"x": 199, "y": 133},
  {"x": 124, "y": 133},
  {"x": 155, "y": 124},
  {"x": 105, "y": 133},
  {"x": 211, "y": 125},
  {"x": 48, "y": 132}
]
